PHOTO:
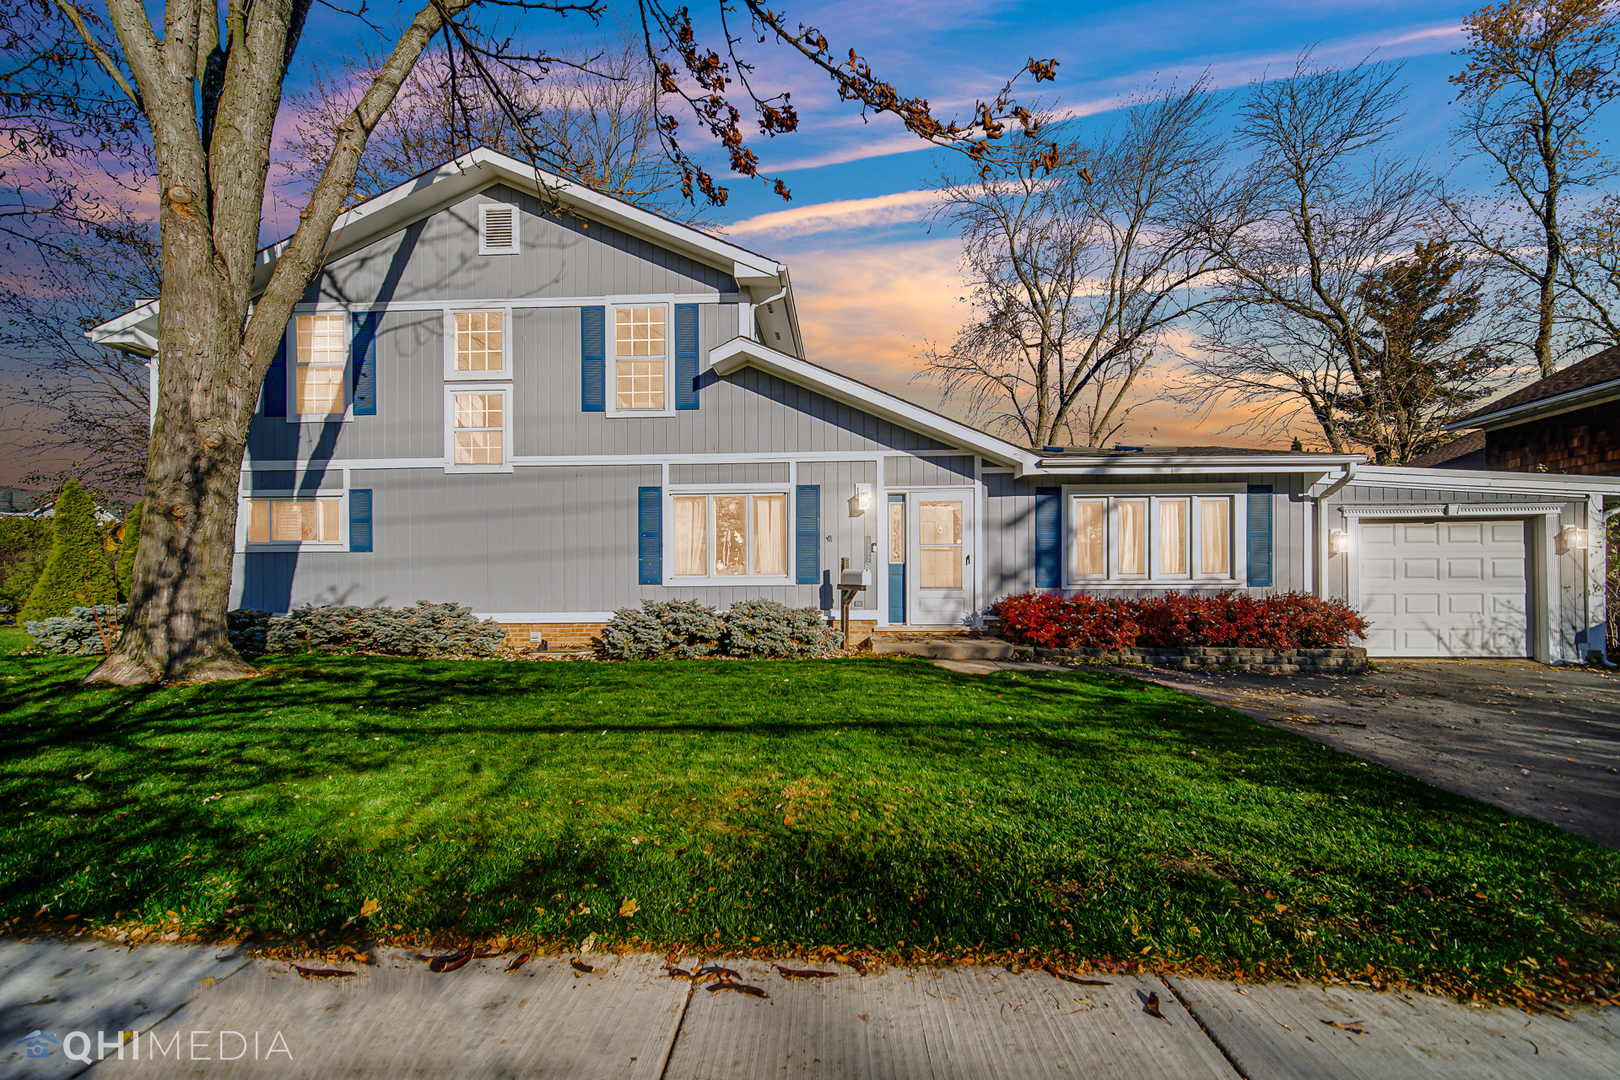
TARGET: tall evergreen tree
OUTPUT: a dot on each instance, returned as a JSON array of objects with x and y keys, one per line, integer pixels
[
  {"x": 76, "y": 571},
  {"x": 1422, "y": 375}
]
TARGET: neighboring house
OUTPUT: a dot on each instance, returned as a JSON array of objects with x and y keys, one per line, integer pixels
[
  {"x": 550, "y": 412},
  {"x": 1568, "y": 422}
]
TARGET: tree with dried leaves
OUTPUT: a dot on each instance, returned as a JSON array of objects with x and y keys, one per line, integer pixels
[
  {"x": 1430, "y": 364},
  {"x": 207, "y": 90},
  {"x": 1538, "y": 73},
  {"x": 1081, "y": 257},
  {"x": 596, "y": 109},
  {"x": 1320, "y": 205}
]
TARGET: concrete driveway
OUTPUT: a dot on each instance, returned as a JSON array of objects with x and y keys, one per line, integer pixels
[{"x": 1539, "y": 741}]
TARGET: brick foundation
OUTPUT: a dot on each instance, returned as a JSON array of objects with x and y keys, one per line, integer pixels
[{"x": 559, "y": 637}]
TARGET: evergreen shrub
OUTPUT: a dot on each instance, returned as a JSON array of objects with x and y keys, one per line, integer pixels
[
  {"x": 1176, "y": 620},
  {"x": 685, "y": 629},
  {"x": 425, "y": 630},
  {"x": 76, "y": 633},
  {"x": 76, "y": 572}
]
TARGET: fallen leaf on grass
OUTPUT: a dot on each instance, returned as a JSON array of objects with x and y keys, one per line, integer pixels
[
  {"x": 450, "y": 961},
  {"x": 211, "y": 798},
  {"x": 239, "y": 909},
  {"x": 88, "y": 775},
  {"x": 741, "y": 988},
  {"x": 628, "y": 908},
  {"x": 319, "y": 973},
  {"x": 580, "y": 965},
  {"x": 1152, "y": 1006},
  {"x": 522, "y": 958},
  {"x": 1115, "y": 967},
  {"x": 804, "y": 973},
  {"x": 1353, "y": 1027},
  {"x": 369, "y": 907}
]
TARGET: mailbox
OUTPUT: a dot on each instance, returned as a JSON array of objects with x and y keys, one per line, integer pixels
[{"x": 855, "y": 579}]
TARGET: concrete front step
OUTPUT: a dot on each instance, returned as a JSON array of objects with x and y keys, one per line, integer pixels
[{"x": 945, "y": 648}]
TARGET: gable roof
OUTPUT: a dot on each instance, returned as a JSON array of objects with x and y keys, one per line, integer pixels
[
  {"x": 764, "y": 278},
  {"x": 1463, "y": 446},
  {"x": 1584, "y": 383}
]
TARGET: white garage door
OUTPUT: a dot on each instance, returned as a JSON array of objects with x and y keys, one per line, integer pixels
[{"x": 1445, "y": 588}]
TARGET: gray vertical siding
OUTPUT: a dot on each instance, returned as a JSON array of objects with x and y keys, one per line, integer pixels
[
  {"x": 901, "y": 472},
  {"x": 437, "y": 258},
  {"x": 1010, "y": 526},
  {"x": 849, "y": 531},
  {"x": 762, "y": 472}
]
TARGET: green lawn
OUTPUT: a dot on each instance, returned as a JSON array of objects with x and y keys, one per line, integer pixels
[
  {"x": 878, "y": 805},
  {"x": 13, "y": 640}
]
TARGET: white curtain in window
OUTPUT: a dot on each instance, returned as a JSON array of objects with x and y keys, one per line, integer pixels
[
  {"x": 691, "y": 546},
  {"x": 770, "y": 535},
  {"x": 1215, "y": 536},
  {"x": 259, "y": 521},
  {"x": 730, "y": 534},
  {"x": 1090, "y": 544},
  {"x": 1131, "y": 522},
  {"x": 478, "y": 340},
  {"x": 939, "y": 529},
  {"x": 320, "y": 362},
  {"x": 1173, "y": 537}
]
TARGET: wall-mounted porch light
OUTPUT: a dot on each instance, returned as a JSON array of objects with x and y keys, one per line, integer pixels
[
  {"x": 861, "y": 501},
  {"x": 1571, "y": 538},
  {"x": 1338, "y": 542}
]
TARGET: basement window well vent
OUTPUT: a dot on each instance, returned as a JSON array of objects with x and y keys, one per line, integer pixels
[{"x": 497, "y": 230}]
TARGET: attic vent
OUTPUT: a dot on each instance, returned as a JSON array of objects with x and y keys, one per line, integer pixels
[{"x": 497, "y": 230}]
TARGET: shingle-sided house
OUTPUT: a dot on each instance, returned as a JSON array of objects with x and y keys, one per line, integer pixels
[{"x": 550, "y": 412}]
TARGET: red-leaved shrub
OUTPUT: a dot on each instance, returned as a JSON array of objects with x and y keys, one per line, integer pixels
[{"x": 1178, "y": 620}]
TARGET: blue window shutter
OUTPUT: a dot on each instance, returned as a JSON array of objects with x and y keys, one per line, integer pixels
[
  {"x": 1048, "y": 538},
  {"x": 650, "y": 533},
  {"x": 275, "y": 382},
  {"x": 365, "y": 363},
  {"x": 686, "y": 356},
  {"x": 1260, "y": 534},
  {"x": 593, "y": 359},
  {"x": 807, "y": 533},
  {"x": 360, "y": 519}
]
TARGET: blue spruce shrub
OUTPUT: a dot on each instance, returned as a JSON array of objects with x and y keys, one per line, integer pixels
[
  {"x": 673, "y": 629},
  {"x": 771, "y": 629}
]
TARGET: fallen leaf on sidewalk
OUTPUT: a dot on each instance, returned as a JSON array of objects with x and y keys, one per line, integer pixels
[
  {"x": 804, "y": 973},
  {"x": 1066, "y": 977},
  {"x": 1353, "y": 1027},
  {"x": 485, "y": 954},
  {"x": 580, "y": 965},
  {"x": 715, "y": 971},
  {"x": 1115, "y": 967},
  {"x": 319, "y": 973},
  {"x": 741, "y": 988},
  {"x": 676, "y": 972},
  {"x": 522, "y": 958},
  {"x": 1152, "y": 1006},
  {"x": 450, "y": 961}
]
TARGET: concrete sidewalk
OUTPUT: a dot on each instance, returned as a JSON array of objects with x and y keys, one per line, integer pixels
[{"x": 198, "y": 1015}]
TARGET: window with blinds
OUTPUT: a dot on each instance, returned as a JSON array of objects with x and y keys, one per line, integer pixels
[{"x": 294, "y": 521}]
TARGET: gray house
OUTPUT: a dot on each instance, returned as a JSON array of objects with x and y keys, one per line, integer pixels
[{"x": 549, "y": 408}]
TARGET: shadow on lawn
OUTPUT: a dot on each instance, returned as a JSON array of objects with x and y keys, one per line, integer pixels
[{"x": 310, "y": 717}]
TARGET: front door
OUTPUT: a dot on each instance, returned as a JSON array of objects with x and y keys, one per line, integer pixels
[{"x": 939, "y": 588}]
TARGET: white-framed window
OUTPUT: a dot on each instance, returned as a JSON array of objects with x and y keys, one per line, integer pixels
[
  {"x": 284, "y": 521},
  {"x": 478, "y": 428},
  {"x": 477, "y": 343},
  {"x": 497, "y": 229},
  {"x": 1184, "y": 537},
  {"x": 319, "y": 386},
  {"x": 640, "y": 345},
  {"x": 727, "y": 537}
]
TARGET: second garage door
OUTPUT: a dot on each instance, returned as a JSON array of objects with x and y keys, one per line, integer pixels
[{"x": 1445, "y": 588}]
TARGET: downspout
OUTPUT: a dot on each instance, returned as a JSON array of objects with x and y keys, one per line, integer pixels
[
  {"x": 1322, "y": 552},
  {"x": 765, "y": 302}
]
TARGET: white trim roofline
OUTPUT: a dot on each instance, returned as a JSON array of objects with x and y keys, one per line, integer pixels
[
  {"x": 1558, "y": 485},
  {"x": 1568, "y": 401},
  {"x": 742, "y": 352},
  {"x": 421, "y": 196}
]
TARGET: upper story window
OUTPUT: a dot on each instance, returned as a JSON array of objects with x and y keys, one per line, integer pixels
[
  {"x": 321, "y": 342},
  {"x": 497, "y": 229},
  {"x": 729, "y": 535},
  {"x": 641, "y": 358},
  {"x": 1150, "y": 539},
  {"x": 480, "y": 342},
  {"x": 480, "y": 429}
]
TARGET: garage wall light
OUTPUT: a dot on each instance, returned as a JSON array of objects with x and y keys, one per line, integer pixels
[
  {"x": 1338, "y": 542},
  {"x": 861, "y": 501},
  {"x": 1571, "y": 538}
]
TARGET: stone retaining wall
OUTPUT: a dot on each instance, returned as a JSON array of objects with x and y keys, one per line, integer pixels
[{"x": 1347, "y": 661}]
